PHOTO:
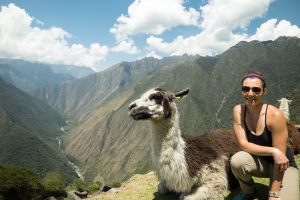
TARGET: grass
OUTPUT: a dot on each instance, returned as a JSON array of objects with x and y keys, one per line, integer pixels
[
  {"x": 138, "y": 187},
  {"x": 144, "y": 187}
]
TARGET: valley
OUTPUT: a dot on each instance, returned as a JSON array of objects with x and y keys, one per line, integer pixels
[
  {"x": 27, "y": 133},
  {"x": 110, "y": 147},
  {"x": 101, "y": 142}
]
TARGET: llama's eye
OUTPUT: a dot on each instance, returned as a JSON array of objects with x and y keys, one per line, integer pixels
[{"x": 157, "y": 97}]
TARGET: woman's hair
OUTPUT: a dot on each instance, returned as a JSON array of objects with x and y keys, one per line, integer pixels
[{"x": 255, "y": 74}]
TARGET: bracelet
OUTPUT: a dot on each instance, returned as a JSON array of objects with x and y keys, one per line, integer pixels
[{"x": 274, "y": 194}]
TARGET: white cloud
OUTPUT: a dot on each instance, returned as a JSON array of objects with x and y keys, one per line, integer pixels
[
  {"x": 20, "y": 39},
  {"x": 271, "y": 30},
  {"x": 126, "y": 46},
  {"x": 231, "y": 14},
  {"x": 153, "y": 54},
  {"x": 153, "y": 17},
  {"x": 220, "y": 22},
  {"x": 202, "y": 44}
]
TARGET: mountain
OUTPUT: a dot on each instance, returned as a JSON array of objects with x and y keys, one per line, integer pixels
[
  {"x": 29, "y": 76},
  {"x": 110, "y": 146},
  {"x": 28, "y": 128},
  {"x": 77, "y": 72},
  {"x": 78, "y": 98},
  {"x": 294, "y": 106}
]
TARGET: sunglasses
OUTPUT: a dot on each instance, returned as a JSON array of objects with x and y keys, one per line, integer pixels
[{"x": 256, "y": 90}]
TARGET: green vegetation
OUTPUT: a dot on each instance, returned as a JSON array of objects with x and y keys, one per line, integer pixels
[
  {"x": 18, "y": 183},
  {"x": 78, "y": 185},
  {"x": 81, "y": 186},
  {"x": 294, "y": 107},
  {"x": 28, "y": 128},
  {"x": 116, "y": 184},
  {"x": 94, "y": 187},
  {"x": 53, "y": 184}
]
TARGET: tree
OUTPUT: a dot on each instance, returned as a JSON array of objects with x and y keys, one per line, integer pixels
[{"x": 19, "y": 183}]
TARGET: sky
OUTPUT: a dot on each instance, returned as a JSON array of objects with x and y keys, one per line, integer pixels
[{"x": 99, "y": 34}]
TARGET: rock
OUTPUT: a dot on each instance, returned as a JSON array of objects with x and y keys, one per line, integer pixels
[
  {"x": 82, "y": 195},
  {"x": 113, "y": 190},
  {"x": 72, "y": 196},
  {"x": 105, "y": 188},
  {"x": 50, "y": 198}
]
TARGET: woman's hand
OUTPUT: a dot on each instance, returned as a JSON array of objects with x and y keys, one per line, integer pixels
[{"x": 280, "y": 160}]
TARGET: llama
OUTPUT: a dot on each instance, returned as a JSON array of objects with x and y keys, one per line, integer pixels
[
  {"x": 293, "y": 130},
  {"x": 197, "y": 167},
  {"x": 294, "y": 137},
  {"x": 284, "y": 107}
]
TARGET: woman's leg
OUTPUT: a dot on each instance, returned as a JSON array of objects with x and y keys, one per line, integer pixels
[{"x": 244, "y": 166}]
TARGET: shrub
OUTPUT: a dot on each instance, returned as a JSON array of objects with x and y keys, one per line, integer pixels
[
  {"x": 93, "y": 187},
  {"x": 79, "y": 185},
  {"x": 53, "y": 184},
  {"x": 116, "y": 185}
]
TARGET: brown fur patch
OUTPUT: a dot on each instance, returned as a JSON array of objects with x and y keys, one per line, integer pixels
[
  {"x": 204, "y": 149},
  {"x": 294, "y": 138},
  {"x": 166, "y": 102},
  {"x": 167, "y": 108}
]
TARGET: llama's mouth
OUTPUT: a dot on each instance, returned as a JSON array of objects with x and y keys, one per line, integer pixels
[{"x": 140, "y": 114}]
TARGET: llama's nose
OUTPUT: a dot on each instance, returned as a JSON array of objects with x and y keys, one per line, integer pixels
[{"x": 131, "y": 106}]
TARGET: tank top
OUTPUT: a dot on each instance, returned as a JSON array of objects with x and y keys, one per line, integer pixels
[{"x": 265, "y": 139}]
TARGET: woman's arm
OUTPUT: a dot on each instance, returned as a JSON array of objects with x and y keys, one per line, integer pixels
[{"x": 277, "y": 125}]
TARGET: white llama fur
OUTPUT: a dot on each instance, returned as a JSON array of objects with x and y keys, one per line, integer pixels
[
  {"x": 169, "y": 152},
  {"x": 284, "y": 107},
  {"x": 169, "y": 160}
]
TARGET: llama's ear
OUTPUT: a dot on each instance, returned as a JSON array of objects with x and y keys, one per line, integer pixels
[
  {"x": 183, "y": 93},
  {"x": 290, "y": 101}
]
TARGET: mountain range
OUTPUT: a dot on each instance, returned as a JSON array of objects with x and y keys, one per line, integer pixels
[
  {"x": 78, "y": 98},
  {"x": 109, "y": 146},
  {"x": 28, "y": 76}
]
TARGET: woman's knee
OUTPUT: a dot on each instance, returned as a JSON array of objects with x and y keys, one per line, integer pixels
[{"x": 240, "y": 159}]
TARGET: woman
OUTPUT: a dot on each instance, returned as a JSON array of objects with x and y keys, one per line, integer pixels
[{"x": 262, "y": 135}]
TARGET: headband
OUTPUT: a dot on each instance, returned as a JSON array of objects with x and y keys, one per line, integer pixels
[{"x": 254, "y": 75}]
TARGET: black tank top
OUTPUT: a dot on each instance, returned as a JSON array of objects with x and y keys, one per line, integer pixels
[{"x": 265, "y": 139}]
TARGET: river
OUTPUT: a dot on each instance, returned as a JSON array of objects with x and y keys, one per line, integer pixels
[{"x": 74, "y": 167}]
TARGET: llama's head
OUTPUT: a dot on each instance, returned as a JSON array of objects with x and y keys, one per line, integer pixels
[
  {"x": 155, "y": 104},
  {"x": 284, "y": 101},
  {"x": 284, "y": 107}
]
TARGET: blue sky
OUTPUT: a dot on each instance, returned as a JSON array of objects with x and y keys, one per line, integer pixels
[{"x": 99, "y": 34}]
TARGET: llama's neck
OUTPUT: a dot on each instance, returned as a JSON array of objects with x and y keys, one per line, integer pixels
[
  {"x": 168, "y": 154},
  {"x": 284, "y": 107},
  {"x": 166, "y": 138}
]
